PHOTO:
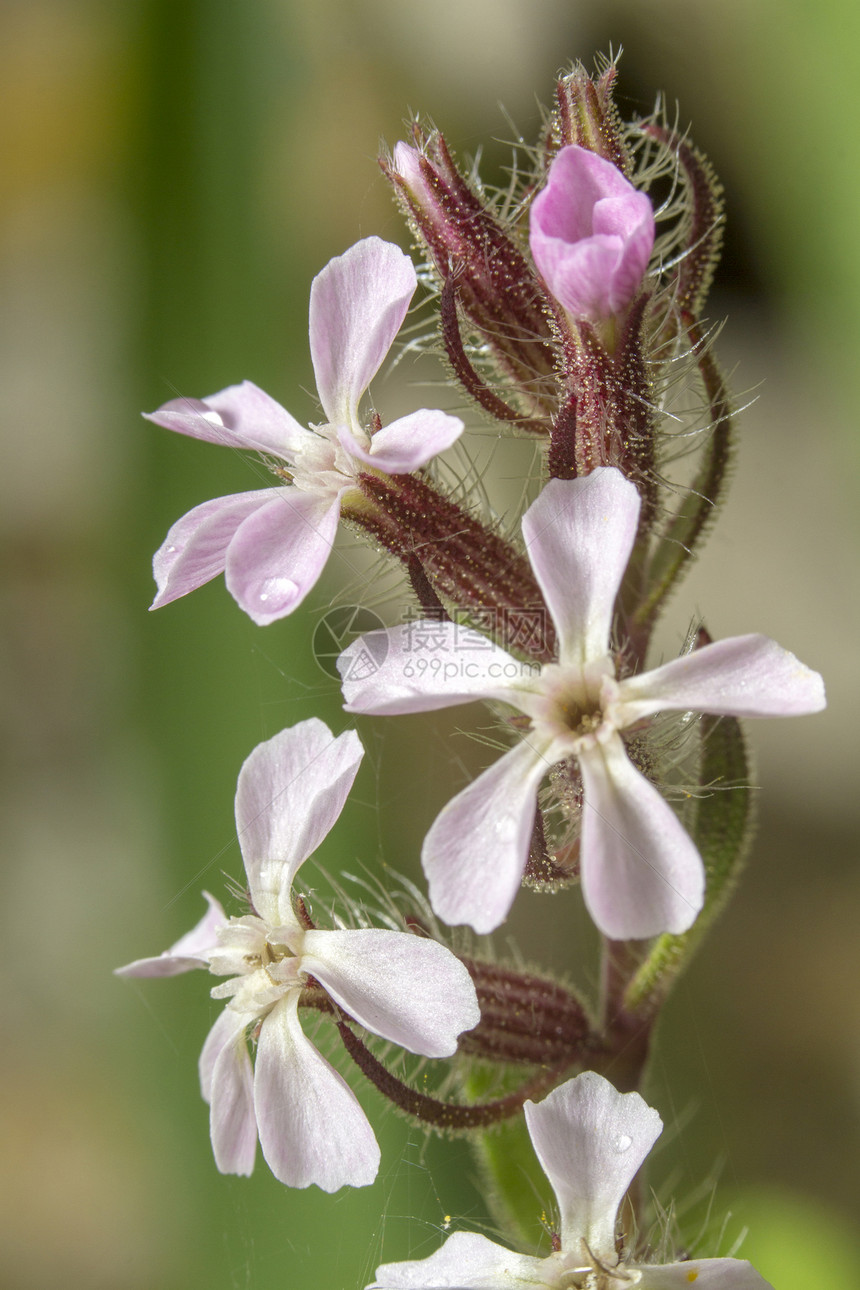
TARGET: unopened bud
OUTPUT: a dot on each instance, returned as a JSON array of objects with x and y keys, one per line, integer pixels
[
  {"x": 497, "y": 291},
  {"x": 591, "y": 235}
]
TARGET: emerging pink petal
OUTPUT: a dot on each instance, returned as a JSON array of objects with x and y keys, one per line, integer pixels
[
  {"x": 358, "y": 303},
  {"x": 579, "y": 534},
  {"x": 291, "y": 790},
  {"x": 742, "y": 676},
  {"x": 195, "y": 549},
  {"x": 407, "y": 444},
  {"x": 590, "y": 1141},
  {"x": 312, "y": 1128},
  {"x": 411, "y": 991},
  {"x": 278, "y": 554},
  {"x": 476, "y": 851},
  {"x": 465, "y": 1262},
  {"x": 188, "y": 953},
  {"x": 641, "y": 872},
  {"x": 591, "y": 234}
]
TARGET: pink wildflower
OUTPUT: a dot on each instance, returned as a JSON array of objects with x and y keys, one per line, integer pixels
[
  {"x": 272, "y": 543},
  {"x": 641, "y": 872},
  {"x": 409, "y": 990}
]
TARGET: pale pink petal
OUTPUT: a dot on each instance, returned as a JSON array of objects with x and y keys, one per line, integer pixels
[
  {"x": 703, "y": 1274},
  {"x": 409, "y": 990},
  {"x": 633, "y": 261},
  {"x": 590, "y": 1141},
  {"x": 641, "y": 872},
  {"x": 591, "y": 234},
  {"x": 581, "y": 276},
  {"x": 242, "y": 416},
  {"x": 195, "y": 549},
  {"x": 579, "y": 534},
  {"x": 312, "y": 1128},
  {"x": 468, "y": 1262},
  {"x": 743, "y": 676},
  {"x": 227, "y": 1028},
  {"x": 424, "y": 665},
  {"x": 476, "y": 851},
  {"x": 407, "y": 444},
  {"x": 278, "y": 554},
  {"x": 227, "y": 1083},
  {"x": 358, "y": 303},
  {"x": 188, "y": 953},
  {"x": 577, "y": 182},
  {"x": 258, "y": 421},
  {"x": 291, "y": 790}
]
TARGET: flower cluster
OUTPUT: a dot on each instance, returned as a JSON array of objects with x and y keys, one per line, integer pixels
[{"x": 570, "y": 332}]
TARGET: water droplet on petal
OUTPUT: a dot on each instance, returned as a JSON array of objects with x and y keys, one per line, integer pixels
[
  {"x": 622, "y": 1143},
  {"x": 281, "y": 591}
]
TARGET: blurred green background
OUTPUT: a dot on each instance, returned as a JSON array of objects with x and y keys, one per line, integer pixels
[{"x": 174, "y": 173}]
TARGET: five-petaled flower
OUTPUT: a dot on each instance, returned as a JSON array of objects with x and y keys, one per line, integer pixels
[
  {"x": 641, "y": 872},
  {"x": 410, "y": 990},
  {"x": 590, "y": 1141},
  {"x": 591, "y": 234},
  {"x": 272, "y": 543}
]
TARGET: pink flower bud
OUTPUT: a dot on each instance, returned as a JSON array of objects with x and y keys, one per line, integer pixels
[{"x": 591, "y": 234}]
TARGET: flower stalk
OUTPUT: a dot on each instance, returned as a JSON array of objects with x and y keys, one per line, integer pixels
[{"x": 568, "y": 307}]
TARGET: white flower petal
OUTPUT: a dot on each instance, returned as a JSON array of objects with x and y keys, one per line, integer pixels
[
  {"x": 468, "y": 1262},
  {"x": 227, "y": 1077},
  {"x": 358, "y": 303},
  {"x": 291, "y": 790},
  {"x": 242, "y": 416},
  {"x": 405, "y": 988},
  {"x": 312, "y": 1128},
  {"x": 476, "y": 851},
  {"x": 195, "y": 549},
  {"x": 278, "y": 553},
  {"x": 258, "y": 421},
  {"x": 641, "y": 872},
  {"x": 743, "y": 676},
  {"x": 590, "y": 1141},
  {"x": 406, "y": 444},
  {"x": 703, "y": 1274},
  {"x": 188, "y": 953},
  {"x": 579, "y": 534},
  {"x": 425, "y": 665},
  {"x": 225, "y": 1029}
]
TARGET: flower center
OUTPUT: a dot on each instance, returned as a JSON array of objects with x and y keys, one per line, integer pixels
[
  {"x": 598, "y": 1276},
  {"x": 261, "y": 961},
  {"x": 568, "y": 704}
]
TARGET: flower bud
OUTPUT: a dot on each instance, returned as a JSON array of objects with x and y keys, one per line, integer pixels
[
  {"x": 586, "y": 114},
  {"x": 591, "y": 235},
  {"x": 497, "y": 293}
]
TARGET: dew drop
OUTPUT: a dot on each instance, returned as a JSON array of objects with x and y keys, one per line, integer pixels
[
  {"x": 622, "y": 1143},
  {"x": 283, "y": 591}
]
